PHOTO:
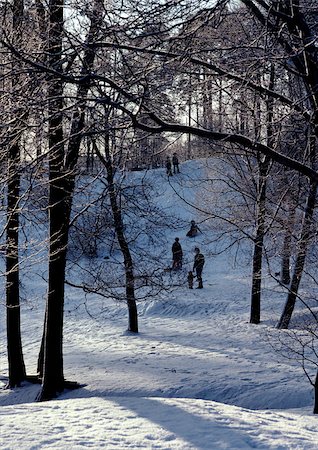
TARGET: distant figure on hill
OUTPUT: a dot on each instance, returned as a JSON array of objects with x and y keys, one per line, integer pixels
[
  {"x": 190, "y": 279},
  {"x": 176, "y": 255},
  {"x": 194, "y": 229},
  {"x": 168, "y": 167},
  {"x": 175, "y": 163},
  {"x": 198, "y": 266}
]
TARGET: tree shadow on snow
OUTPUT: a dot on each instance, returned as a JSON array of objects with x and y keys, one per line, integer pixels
[{"x": 205, "y": 433}]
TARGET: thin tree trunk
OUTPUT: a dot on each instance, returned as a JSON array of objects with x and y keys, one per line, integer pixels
[
  {"x": 315, "y": 411},
  {"x": 189, "y": 155},
  {"x": 17, "y": 372},
  {"x": 300, "y": 259},
  {"x": 119, "y": 229},
  {"x": 285, "y": 273},
  {"x": 40, "y": 361},
  {"x": 286, "y": 251},
  {"x": 255, "y": 315}
]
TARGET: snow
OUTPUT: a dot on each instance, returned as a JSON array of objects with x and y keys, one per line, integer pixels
[{"x": 197, "y": 376}]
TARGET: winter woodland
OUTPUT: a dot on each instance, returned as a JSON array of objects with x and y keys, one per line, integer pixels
[{"x": 103, "y": 344}]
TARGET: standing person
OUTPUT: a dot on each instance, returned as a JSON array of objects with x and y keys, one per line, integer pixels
[
  {"x": 198, "y": 266},
  {"x": 168, "y": 167},
  {"x": 175, "y": 163},
  {"x": 176, "y": 255}
]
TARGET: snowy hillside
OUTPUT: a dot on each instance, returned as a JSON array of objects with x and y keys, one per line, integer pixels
[{"x": 197, "y": 376}]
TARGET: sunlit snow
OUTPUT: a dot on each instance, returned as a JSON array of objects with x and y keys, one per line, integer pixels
[{"x": 197, "y": 376}]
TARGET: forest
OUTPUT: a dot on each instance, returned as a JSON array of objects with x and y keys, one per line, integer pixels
[{"x": 93, "y": 92}]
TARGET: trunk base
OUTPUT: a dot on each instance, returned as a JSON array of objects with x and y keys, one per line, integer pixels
[
  {"x": 47, "y": 394},
  {"x": 33, "y": 379}
]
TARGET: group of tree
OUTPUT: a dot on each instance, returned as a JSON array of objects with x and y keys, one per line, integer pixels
[{"x": 98, "y": 79}]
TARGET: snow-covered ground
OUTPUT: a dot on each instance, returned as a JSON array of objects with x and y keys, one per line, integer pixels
[{"x": 197, "y": 376}]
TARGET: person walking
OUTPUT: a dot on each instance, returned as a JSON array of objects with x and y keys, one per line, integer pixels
[
  {"x": 175, "y": 162},
  {"x": 176, "y": 255},
  {"x": 198, "y": 266},
  {"x": 168, "y": 167}
]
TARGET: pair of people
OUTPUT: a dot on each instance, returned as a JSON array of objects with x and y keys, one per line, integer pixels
[
  {"x": 198, "y": 264},
  {"x": 175, "y": 164}
]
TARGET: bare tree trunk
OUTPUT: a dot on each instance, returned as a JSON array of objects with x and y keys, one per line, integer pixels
[
  {"x": 315, "y": 411},
  {"x": 17, "y": 371},
  {"x": 61, "y": 182},
  {"x": 40, "y": 361},
  {"x": 286, "y": 251},
  {"x": 301, "y": 257},
  {"x": 53, "y": 376},
  {"x": 16, "y": 365},
  {"x": 190, "y": 101},
  {"x": 255, "y": 314},
  {"x": 285, "y": 273},
  {"x": 221, "y": 106},
  {"x": 119, "y": 229}
]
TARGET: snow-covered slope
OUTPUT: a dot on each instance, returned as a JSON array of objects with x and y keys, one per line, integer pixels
[{"x": 197, "y": 376}]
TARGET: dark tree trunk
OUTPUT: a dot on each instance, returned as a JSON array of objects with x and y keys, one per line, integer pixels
[
  {"x": 315, "y": 411},
  {"x": 259, "y": 244},
  {"x": 264, "y": 165},
  {"x": 300, "y": 259},
  {"x": 285, "y": 274},
  {"x": 119, "y": 229},
  {"x": 41, "y": 353},
  {"x": 17, "y": 371},
  {"x": 16, "y": 365},
  {"x": 53, "y": 377},
  {"x": 62, "y": 182},
  {"x": 286, "y": 251}
]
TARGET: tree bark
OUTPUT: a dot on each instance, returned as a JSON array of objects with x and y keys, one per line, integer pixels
[
  {"x": 315, "y": 411},
  {"x": 53, "y": 377},
  {"x": 17, "y": 372},
  {"x": 119, "y": 229},
  {"x": 285, "y": 273},
  {"x": 61, "y": 188},
  {"x": 286, "y": 251},
  {"x": 264, "y": 165},
  {"x": 255, "y": 315},
  {"x": 304, "y": 242}
]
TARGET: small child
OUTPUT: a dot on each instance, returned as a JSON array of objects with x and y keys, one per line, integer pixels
[{"x": 190, "y": 279}]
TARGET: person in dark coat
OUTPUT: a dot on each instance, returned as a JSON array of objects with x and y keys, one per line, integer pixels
[
  {"x": 198, "y": 266},
  {"x": 176, "y": 255},
  {"x": 194, "y": 229},
  {"x": 168, "y": 167},
  {"x": 175, "y": 163}
]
